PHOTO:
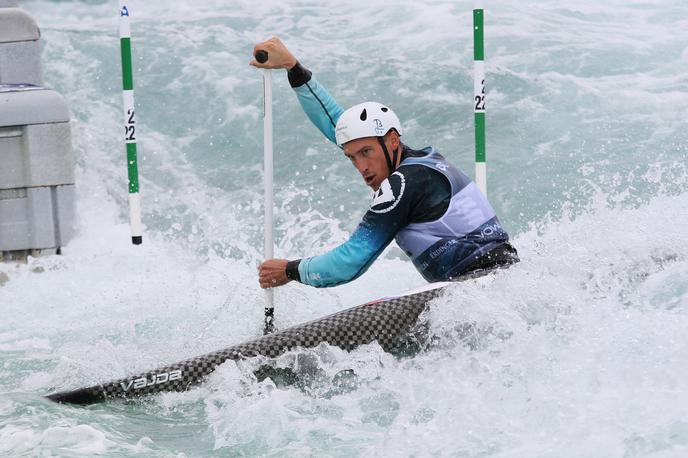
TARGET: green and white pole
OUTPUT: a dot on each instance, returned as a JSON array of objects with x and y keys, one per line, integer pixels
[
  {"x": 479, "y": 95},
  {"x": 130, "y": 125}
]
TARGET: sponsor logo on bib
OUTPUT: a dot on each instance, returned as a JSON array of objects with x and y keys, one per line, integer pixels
[{"x": 388, "y": 196}]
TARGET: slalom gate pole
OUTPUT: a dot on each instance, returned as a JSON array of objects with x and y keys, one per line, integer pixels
[
  {"x": 262, "y": 57},
  {"x": 479, "y": 95},
  {"x": 130, "y": 125}
]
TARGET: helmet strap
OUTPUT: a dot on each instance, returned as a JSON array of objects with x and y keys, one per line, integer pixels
[{"x": 390, "y": 164}]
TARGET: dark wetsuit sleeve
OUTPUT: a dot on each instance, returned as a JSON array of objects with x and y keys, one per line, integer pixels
[{"x": 391, "y": 210}]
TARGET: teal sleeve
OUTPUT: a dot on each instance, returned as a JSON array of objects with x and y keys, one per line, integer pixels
[
  {"x": 320, "y": 107},
  {"x": 347, "y": 261},
  {"x": 378, "y": 228}
]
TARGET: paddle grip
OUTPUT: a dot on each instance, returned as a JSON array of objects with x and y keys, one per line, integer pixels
[{"x": 262, "y": 56}]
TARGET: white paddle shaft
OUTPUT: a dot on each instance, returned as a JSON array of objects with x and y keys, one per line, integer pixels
[{"x": 268, "y": 171}]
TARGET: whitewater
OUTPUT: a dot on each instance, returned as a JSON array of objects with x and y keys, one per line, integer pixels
[{"x": 580, "y": 350}]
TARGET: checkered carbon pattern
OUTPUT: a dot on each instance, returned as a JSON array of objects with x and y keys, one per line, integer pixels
[{"x": 386, "y": 321}]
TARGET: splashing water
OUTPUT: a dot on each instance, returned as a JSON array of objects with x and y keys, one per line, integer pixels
[{"x": 579, "y": 350}]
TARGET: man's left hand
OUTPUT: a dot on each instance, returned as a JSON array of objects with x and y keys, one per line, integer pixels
[{"x": 272, "y": 273}]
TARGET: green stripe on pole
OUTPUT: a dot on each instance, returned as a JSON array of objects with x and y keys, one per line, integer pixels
[
  {"x": 132, "y": 168},
  {"x": 479, "y": 48},
  {"x": 479, "y": 137},
  {"x": 127, "y": 78}
]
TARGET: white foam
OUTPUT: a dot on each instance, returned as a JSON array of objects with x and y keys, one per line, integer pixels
[
  {"x": 75, "y": 440},
  {"x": 577, "y": 351}
]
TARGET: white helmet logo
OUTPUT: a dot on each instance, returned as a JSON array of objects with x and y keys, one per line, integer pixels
[
  {"x": 343, "y": 133},
  {"x": 379, "y": 129}
]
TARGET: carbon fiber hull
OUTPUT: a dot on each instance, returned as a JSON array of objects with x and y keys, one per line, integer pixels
[{"x": 386, "y": 321}]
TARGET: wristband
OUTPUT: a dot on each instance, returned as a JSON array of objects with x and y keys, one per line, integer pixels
[
  {"x": 298, "y": 75},
  {"x": 293, "y": 270}
]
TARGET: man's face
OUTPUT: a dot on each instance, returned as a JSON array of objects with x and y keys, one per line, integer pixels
[{"x": 367, "y": 156}]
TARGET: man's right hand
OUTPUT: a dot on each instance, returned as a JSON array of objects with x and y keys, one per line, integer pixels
[{"x": 278, "y": 55}]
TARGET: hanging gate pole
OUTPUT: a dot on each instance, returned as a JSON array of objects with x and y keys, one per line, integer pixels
[
  {"x": 479, "y": 95},
  {"x": 130, "y": 125}
]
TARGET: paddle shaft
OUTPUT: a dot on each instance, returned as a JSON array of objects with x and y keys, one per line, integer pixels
[{"x": 268, "y": 172}]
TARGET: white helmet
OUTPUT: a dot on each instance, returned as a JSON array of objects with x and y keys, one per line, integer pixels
[{"x": 367, "y": 119}]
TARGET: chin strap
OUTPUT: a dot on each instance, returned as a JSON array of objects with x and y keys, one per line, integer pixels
[{"x": 391, "y": 162}]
